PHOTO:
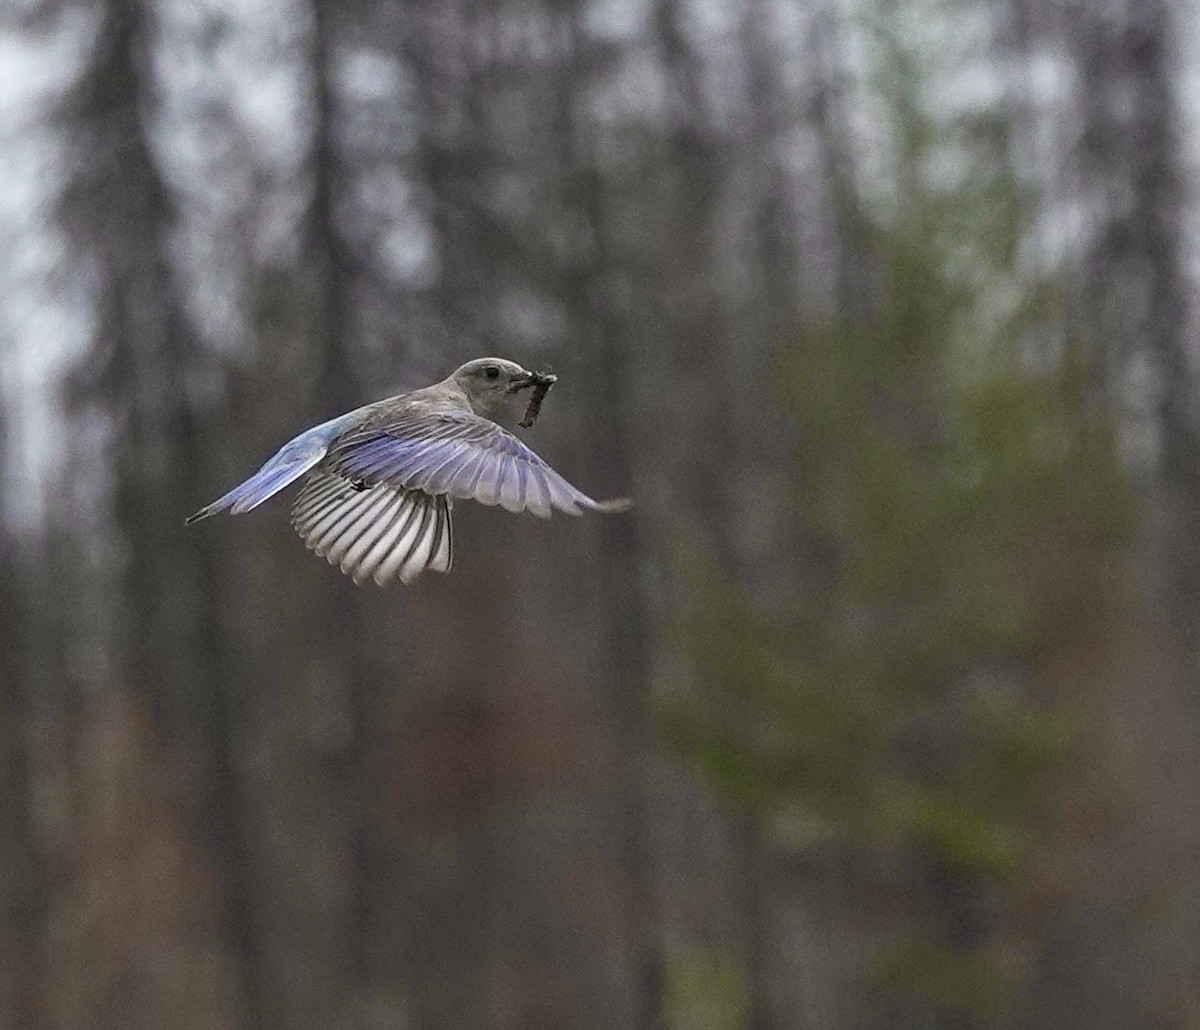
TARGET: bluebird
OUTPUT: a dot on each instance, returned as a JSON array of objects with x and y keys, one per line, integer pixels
[{"x": 381, "y": 479}]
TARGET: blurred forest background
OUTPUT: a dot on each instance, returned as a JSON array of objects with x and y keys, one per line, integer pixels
[{"x": 881, "y": 709}]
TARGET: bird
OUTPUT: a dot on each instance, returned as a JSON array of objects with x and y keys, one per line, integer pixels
[{"x": 381, "y": 479}]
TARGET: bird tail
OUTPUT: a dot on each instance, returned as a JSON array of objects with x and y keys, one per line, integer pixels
[{"x": 292, "y": 461}]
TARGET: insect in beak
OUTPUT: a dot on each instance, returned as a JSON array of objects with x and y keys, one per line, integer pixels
[{"x": 541, "y": 383}]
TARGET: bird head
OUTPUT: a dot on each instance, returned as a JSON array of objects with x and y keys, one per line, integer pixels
[{"x": 492, "y": 385}]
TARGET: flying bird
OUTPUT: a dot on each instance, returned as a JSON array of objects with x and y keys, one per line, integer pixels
[{"x": 381, "y": 479}]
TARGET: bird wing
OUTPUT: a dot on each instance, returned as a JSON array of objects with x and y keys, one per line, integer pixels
[
  {"x": 374, "y": 531},
  {"x": 292, "y": 460},
  {"x": 458, "y": 454},
  {"x": 378, "y": 506}
]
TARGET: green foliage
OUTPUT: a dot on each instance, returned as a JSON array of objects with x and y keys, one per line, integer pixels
[
  {"x": 945, "y": 980},
  {"x": 948, "y": 536},
  {"x": 704, "y": 990},
  {"x": 956, "y": 515}
]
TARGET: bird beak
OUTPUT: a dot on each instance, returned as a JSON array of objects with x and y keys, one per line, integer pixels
[{"x": 524, "y": 379}]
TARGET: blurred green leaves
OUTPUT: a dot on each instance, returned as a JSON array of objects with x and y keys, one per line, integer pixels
[
  {"x": 957, "y": 514},
  {"x": 948, "y": 537},
  {"x": 942, "y": 555},
  {"x": 704, "y": 990}
]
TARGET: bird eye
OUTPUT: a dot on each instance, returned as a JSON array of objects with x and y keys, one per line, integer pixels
[{"x": 491, "y": 371}]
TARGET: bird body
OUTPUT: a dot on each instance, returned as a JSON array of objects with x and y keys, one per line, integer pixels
[{"x": 381, "y": 479}]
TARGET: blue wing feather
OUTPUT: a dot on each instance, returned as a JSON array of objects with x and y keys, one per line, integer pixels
[
  {"x": 453, "y": 453},
  {"x": 292, "y": 460},
  {"x": 460, "y": 454}
]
